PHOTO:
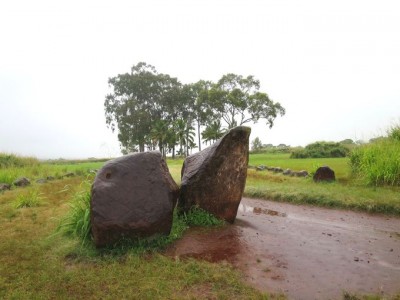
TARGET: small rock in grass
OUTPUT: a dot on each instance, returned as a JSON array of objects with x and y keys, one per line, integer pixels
[
  {"x": 4, "y": 186},
  {"x": 70, "y": 174},
  {"x": 287, "y": 172},
  {"x": 22, "y": 181},
  {"x": 324, "y": 174}
]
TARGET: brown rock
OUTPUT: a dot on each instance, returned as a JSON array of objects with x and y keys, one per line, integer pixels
[
  {"x": 214, "y": 178},
  {"x": 324, "y": 174},
  {"x": 4, "y": 186},
  {"x": 132, "y": 196},
  {"x": 22, "y": 181},
  {"x": 302, "y": 173}
]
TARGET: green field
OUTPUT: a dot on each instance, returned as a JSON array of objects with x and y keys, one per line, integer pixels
[{"x": 35, "y": 263}]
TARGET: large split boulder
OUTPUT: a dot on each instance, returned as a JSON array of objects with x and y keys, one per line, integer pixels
[
  {"x": 132, "y": 196},
  {"x": 214, "y": 179},
  {"x": 324, "y": 174}
]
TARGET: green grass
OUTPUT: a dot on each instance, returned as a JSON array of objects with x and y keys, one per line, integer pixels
[
  {"x": 76, "y": 222},
  {"x": 199, "y": 217},
  {"x": 175, "y": 167},
  {"x": 377, "y": 163},
  {"x": 8, "y": 160},
  {"x": 43, "y": 170},
  {"x": 31, "y": 199},
  {"x": 339, "y": 165}
]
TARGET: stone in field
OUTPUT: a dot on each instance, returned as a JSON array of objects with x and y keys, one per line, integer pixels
[
  {"x": 214, "y": 178},
  {"x": 287, "y": 172},
  {"x": 22, "y": 181},
  {"x": 324, "y": 174},
  {"x": 4, "y": 186},
  {"x": 132, "y": 196}
]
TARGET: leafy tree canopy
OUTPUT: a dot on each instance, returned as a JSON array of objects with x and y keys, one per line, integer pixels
[{"x": 238, "y": 100}]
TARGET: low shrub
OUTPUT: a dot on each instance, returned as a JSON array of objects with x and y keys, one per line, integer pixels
[{"x": 321, "y": 150}]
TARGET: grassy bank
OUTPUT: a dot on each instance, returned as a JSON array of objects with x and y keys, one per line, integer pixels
[
  {"x": 346, "y": 192},
  {"x": 304, "y": 191}
]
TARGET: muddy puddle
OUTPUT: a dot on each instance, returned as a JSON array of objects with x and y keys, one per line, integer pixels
[{"x": 303, "y": 252}]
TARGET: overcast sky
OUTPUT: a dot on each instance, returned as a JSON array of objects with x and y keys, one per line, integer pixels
[{"x": 334, "y": 65}]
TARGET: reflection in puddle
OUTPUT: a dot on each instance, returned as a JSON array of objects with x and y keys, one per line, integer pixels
[
  {"x": 258, "y": 210},
  {"x": 213, "y": 244}
]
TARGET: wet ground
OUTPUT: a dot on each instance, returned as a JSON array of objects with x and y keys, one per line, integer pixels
[{"x": 302, "y": 251}]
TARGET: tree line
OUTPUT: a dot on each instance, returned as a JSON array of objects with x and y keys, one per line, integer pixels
[{"x": 153, "y": 110}]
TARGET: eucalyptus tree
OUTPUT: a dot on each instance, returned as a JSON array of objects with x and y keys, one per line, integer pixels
[
  {"x": 139, "y": 99},
  {"x": 202, "y": 108},
  {"x": 237, "y": 100}
]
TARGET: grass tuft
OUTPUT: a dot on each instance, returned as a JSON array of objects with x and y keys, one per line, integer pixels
[
  {"x": 199, "y": 217},
  {"x": 77, "y": 221},
  {"x": 31, "y": 199}
]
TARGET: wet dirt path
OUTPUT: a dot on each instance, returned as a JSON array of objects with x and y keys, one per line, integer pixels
[{"x": 304, "y": 252}]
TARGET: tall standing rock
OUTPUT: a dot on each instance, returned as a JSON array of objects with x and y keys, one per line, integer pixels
[
  {"x": 214, "y": 179},
  {"x": 132, "y": 196}
]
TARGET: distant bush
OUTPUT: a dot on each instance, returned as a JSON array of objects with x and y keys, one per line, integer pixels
[
  {"x": 378, "y": 163},
  {"x": 271, "y": 149},
  {"x": 321, "y": 150},
  {"x": 14, "y": 161}
]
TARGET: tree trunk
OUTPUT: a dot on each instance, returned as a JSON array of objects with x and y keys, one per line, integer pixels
[
  {"x": 198, "y": 133},
  {"x": 187, "y": 145}
]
